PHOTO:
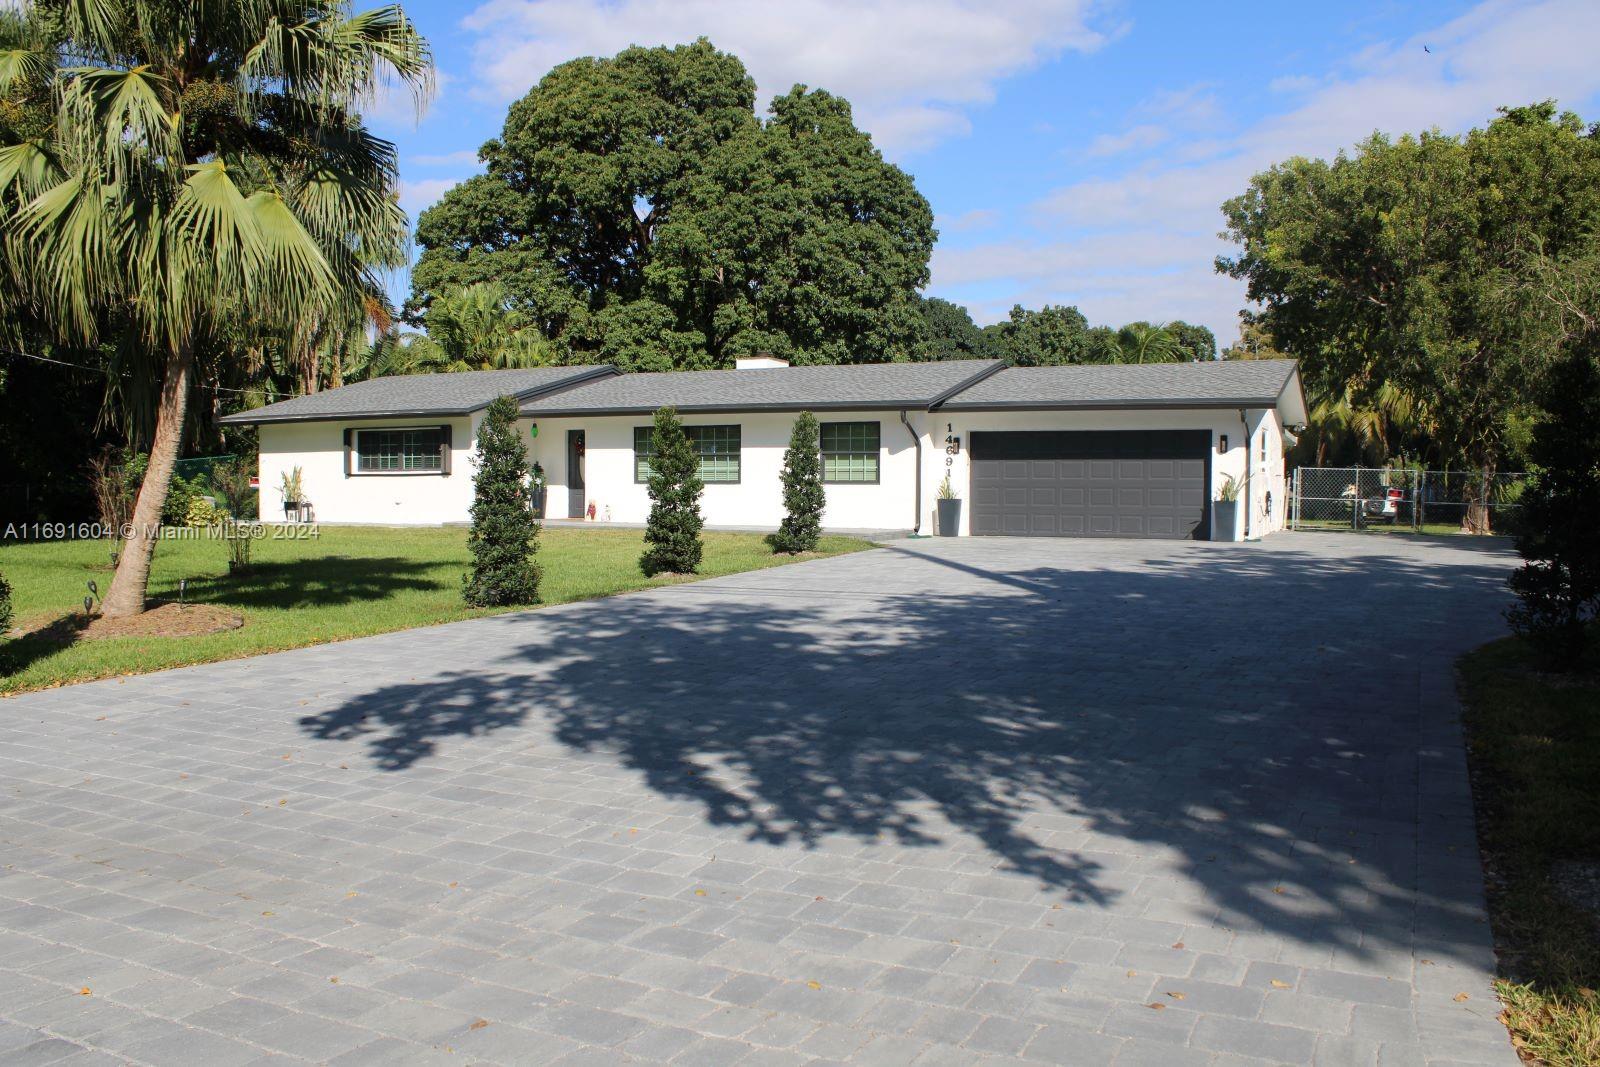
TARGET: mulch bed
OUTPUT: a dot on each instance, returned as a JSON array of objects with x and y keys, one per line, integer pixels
[{"x": 164, "y": 620}]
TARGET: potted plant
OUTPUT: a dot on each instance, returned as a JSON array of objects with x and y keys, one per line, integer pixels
[
  {"x": 293, "y": 490},
  {"x": 1227, "y": 511},
  {"x": 538, "y": 486},
  {"x": 949, "y": 509}
]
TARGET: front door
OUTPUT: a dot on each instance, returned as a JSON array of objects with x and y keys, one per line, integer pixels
[{"x": 575, "y": 494}]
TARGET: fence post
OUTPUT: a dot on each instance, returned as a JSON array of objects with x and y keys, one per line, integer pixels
[{"x": 1355, "y": 500}]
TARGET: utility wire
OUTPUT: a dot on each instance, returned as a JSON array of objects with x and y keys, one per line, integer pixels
[{"x": 105, "y": 371}]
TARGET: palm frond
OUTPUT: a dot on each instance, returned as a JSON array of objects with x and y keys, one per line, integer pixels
[{"x": 23, "y": 66}]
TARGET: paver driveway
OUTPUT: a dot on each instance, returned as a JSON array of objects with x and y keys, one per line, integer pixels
[{"x": 1060, "y": 801}]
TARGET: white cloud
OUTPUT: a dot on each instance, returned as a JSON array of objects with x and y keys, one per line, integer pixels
[
  {"x": 911, "y": 68},
  {"x": 1114, "y": 144},
  {"x": 1193, "y": 105},
  {"x": 1140, "y": 243},
  {"x": 467, "y": 156},
  {"x": 417, "y": 195},
  {"x": 394, "y": 107},
  {"x": 1293, "y": 83},
  {"x": 977, "y": 219}
]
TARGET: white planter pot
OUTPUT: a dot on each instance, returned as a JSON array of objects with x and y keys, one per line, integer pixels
[{"x": 1227, "y": 520}]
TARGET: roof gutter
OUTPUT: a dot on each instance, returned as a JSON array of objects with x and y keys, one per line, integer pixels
[
  {"x": 916, "y": 440},
  {"x": 987, "y": 372},
  {"x": 1249, "y": 451},
  {"x": 1112, "y": 405}
]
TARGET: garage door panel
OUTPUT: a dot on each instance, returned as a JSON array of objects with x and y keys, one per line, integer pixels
[{"x": 1103, "y": 483}]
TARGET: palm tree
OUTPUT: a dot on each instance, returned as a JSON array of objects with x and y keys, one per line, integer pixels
[
  {"x": 1142, "y": 342},
  {"x": 207, "y": 168},
  {"x": 475, "y": 327}
]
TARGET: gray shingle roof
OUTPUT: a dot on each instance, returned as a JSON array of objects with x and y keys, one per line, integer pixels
[
  {"x": 824, "y": 388},
  {"x": 1215, "y": 383},
  {"x": 420, "y": 394}
]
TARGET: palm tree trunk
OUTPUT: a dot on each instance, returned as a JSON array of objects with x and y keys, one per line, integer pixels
[
  {"x": 128, "y": 586},
  {"x": 1475, "y": 520}
]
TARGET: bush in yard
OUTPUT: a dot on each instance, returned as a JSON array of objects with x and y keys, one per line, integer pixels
[
  {"x": 504, "y": 531},
  {"x": 5, "y": 607},
  {"x": 803, "y": 497},
  {"x": 1559, "y": 538},
  {"x": 672, "y": 534},
  {"x": 231, "y": 480}
]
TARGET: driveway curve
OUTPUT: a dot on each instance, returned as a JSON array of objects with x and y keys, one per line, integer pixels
[{"x": 948, "y": 801}]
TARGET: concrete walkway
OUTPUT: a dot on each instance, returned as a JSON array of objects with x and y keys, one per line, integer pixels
[{"x": 945, "y": 802}]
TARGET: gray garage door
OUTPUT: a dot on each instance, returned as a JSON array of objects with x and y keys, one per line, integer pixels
[{"x": 1101, "y": 483}]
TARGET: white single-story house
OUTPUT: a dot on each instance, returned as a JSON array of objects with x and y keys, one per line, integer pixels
[{"x": 1118, "y": 450}]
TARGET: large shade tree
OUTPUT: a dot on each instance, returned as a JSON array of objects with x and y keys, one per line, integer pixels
[
  {"x": 638, "y": 210},
  {"x": 1404, "y": 265},
  {"x": 1051, "y": 336},
  {"x": 206, "y": 171}
]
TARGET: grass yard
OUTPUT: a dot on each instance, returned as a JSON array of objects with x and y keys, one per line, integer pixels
[
  {"x": 1534, "y": 745},
  {"x": 349, "y": 582}
]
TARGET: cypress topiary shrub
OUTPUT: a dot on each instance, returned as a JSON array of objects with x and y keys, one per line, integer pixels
[
  {"x": 5, "y": 607},
  {"x": 504, "y": 531},
  {"x": 803, "y": 496},
  {"x": 672, "y": 534},
  {"x": 1559, "y": 516}
]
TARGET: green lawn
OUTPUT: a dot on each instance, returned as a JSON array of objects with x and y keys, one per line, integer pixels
[
  {"x": 1534, "y": 743},
  {"x": 349, "y": 582}
]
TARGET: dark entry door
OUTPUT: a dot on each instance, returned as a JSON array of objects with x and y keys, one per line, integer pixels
[
  {"x": 1091, "y": 483},
  {"x": 575, "y": 487}
]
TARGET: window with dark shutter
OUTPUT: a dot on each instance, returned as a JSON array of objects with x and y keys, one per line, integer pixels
[{"x": 417, "y": 450}]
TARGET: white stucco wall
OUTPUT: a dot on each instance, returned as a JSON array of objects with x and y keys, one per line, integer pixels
[
  {"x": 398, "y": 499},
  {"x": 757, "y": 499}
]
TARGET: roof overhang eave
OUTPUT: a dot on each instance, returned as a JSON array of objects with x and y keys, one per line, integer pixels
[
  {"x": 522, "y": 396},
  {"x": 917, "y": 404},
  {"x": 1111, "y": 405}
]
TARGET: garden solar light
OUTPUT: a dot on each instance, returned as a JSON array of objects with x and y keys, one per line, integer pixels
[
  {"x": 93, "y": 589},
  {"x": 88, "y": 605},
  {"x": 183, "y": 585}
]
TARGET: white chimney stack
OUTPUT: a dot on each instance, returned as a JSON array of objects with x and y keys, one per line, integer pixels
[{"x": 761, "y": 362}]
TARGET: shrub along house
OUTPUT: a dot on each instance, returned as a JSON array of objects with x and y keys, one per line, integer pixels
[{"x": 1078, "y": 451}]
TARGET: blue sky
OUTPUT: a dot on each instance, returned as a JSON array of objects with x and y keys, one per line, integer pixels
[{"x": 1074, "y": 152}]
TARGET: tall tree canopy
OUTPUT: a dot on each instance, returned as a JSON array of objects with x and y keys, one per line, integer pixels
[
  {"x": 205, "y": 174},
  {"x": 948, "y": 332},
  {"x": 1193, "y": 342},
  {"x": 1053, "y": 335},
  {"x": 1406, "y": 264},
  {"x": 638, "y": 210}
]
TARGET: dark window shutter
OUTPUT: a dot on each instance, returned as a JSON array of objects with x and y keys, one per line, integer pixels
[
  {"x": 349, "y": 449},
  {"x": 444, "y": 450}
]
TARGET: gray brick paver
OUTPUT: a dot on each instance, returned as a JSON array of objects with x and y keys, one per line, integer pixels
[{"x": 992, "y": 797}]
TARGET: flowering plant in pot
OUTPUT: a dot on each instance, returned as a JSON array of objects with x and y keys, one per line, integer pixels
[
  {"x": 1227, "y": 510},
  {"x": 538, "y": 487},
  {"x": 949, "y": 506},
  {"x": 293, "y": 490}
]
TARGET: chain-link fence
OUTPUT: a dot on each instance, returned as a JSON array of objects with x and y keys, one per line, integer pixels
[
  {"x": 1403, "y": 500},
  {"x": 189, "y": 469}
]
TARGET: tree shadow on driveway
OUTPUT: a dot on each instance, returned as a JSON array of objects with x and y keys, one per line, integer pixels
[{"x": 1249, "y": 720}]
